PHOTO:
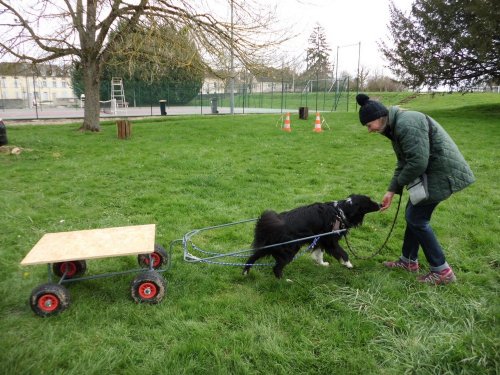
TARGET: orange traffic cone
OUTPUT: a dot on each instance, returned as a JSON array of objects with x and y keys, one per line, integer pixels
[
  {"x": 317, "y": 123},
  {"x": 287, "y": 127}
]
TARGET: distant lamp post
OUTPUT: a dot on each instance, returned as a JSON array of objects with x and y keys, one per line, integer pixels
[
  {"x": 34, "y": 95},
  {"x": 231, "y": 86},
  {"x": 1, "y": 96}
]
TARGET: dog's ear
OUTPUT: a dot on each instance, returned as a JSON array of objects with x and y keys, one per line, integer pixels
[
  {"x": 354, "y": 204},
  {"x": 354, "y": 210}
]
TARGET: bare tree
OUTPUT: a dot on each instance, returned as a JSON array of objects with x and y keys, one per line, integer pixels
[
  {"x": 364, "y": 72},
  {"x": 39, "y": 31}
]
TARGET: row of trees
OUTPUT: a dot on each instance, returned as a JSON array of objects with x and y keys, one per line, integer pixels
[{"x": 450, "y": 42}]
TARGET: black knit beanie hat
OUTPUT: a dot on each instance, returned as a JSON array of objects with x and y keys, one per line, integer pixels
[{"x": 370, "y": 109}]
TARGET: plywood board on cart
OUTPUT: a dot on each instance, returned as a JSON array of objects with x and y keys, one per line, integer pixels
[{"x": 92, "y": 244}]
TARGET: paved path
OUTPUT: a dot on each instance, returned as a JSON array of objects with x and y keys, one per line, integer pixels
[{"x": 77, "y": 113}]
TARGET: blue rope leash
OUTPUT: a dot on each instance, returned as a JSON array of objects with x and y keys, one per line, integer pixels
[{"x": 313, "y": 244}]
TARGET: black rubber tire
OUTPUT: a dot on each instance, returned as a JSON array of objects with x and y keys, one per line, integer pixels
[
  {"x": 76, "y": 268},
  {"x": 159, "y": 257},
  {"x": 49, "y": 299},
  {"x": 148, "y": 287}
]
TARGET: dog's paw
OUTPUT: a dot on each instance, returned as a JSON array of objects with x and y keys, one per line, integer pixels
[
  {"x": 348, "y": 263},
  {"x": 324, "y": 264},
  {"x": 289, "y": 280}
]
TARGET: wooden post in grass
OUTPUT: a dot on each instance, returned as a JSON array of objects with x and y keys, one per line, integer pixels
[{"x": 124, "y": 128}]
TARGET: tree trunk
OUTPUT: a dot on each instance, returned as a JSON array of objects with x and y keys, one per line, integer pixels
[{"x": 91, "y": 81}]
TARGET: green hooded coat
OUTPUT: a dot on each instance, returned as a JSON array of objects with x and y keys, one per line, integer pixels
[{"x": 446, "y": 169}]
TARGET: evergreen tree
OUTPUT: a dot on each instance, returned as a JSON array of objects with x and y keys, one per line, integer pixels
[
  {"x": 445, "y": 42},
  {"x": 317, "y": 56}
]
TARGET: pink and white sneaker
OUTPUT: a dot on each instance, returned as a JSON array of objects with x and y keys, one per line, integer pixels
[
  {"x": 408, "y": 266},
  {"x": 445, "y": 276}
]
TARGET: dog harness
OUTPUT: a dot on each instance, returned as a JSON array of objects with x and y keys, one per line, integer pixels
[{"x": 341, "y": 221}]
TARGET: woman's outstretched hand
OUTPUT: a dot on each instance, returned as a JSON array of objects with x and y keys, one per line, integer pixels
[{"x": 387, "y": 200}]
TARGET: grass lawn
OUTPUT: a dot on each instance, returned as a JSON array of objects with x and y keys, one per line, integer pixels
[
  {"x": 346, "y": 101},
  {"x": 183, "y": 173}
]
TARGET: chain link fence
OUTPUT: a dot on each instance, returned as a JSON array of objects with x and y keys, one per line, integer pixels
[
  {"x": 254, "y": 96},
  {"x": 210, "y": 97}
]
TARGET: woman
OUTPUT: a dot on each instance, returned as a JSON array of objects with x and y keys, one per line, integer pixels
[{"x": 421, "y": 146}]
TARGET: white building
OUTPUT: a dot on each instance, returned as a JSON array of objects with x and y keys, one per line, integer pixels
[
  {"x": 23, "y": 86},
  {"x": 213, "y": 85}
]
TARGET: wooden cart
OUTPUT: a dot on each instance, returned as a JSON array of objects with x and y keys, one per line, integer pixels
[{"x": 65, "y": 254}]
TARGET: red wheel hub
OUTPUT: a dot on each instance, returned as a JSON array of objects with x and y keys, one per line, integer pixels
[
  {"x": 156, "y": 259},
  {"x": 148, "y": 290},
  {"x": 69, "y": 268},
  {"x": 48, "y": 302}
]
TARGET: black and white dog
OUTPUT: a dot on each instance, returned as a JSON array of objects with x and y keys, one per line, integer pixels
[{"x": 292, "y": 230}]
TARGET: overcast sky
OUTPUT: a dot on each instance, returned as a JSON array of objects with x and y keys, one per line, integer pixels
[{"x": 346, "y": 24}]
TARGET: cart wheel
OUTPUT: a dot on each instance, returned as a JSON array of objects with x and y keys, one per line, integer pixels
[
  {"x": 74, "y": 268},
  {"x": 159, "y": 257},
  {"x": 148, "y": 287},
  {"x": 49, "y": 299}
]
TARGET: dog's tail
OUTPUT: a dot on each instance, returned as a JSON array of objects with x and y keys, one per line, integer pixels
[{"x": 270, "y": 229}]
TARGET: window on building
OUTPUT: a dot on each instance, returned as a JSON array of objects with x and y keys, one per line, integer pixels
[
  {"x": 3, "y": 82},
  {"x": 16, "y": 82},
  {"x": 44, "y": 82},
  {"x": 54, "y": 83}
]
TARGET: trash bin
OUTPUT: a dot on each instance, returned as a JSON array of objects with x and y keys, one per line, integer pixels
[
  {"x": 3, "y": 133},
  {"x": 213, "y": 105},
  {"x": 163, "y": 107},
  {"x": 303, "y": 113}
]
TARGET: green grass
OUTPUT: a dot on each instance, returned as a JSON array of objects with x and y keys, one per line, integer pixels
[{"x": 183, "y": 173}]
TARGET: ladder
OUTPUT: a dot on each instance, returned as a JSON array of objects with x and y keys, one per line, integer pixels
[{"x": 118, "y": 93}]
